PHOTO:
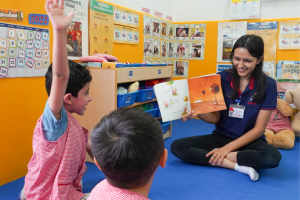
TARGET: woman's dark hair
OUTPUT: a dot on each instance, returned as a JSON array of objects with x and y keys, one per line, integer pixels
[{"x": 255, "y": 46}]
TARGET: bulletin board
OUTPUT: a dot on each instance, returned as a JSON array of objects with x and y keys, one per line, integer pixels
[{"x": 24, "y": 51}]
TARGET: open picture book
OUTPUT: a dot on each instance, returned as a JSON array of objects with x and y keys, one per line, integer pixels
[{"x": 202, "y": 94}]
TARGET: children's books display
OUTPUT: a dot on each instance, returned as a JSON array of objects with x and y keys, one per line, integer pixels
[{"x": 202, "y": 94}]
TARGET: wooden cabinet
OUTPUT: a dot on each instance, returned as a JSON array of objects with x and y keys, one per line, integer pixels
[{"x": 103, "y": 90}]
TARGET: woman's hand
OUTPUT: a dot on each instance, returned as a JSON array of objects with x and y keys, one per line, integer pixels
[
  {"x": 190, "y": 115},
  {"x": 55, "y": 10},
  {"x": 218, "y": 156}
]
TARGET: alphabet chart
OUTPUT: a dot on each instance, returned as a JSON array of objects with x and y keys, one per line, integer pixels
[{"x": 24, "y": 51}]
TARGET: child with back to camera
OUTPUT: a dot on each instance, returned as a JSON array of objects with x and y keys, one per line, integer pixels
[
  {"x": 128, "y": 147},
  {"x": 59, "y": 142}
]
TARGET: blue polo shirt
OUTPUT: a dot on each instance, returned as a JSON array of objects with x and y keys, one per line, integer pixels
[{"x": 236, "y": 127}]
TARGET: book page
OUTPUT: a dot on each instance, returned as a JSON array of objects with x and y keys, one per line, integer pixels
[
  {"x": 206, "y": 94},
  {"x": 173, "y": 99}
]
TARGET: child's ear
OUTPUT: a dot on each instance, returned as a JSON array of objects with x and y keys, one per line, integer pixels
[
  {"x": 68, "y": 99},
  {"x": 97, "y": 163},
  {"x": 163, "y": 158}
]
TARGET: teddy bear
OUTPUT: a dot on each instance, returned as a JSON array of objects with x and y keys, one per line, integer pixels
[
  {"x": 278, "y": 131},
  {"x": 293, "y": 96}
]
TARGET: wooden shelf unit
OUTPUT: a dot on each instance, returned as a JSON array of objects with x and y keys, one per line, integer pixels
[{"x": 103, "y": 90}]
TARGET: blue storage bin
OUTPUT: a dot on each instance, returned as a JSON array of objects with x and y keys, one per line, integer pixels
[
  {"x": 133, "y": 65},
  {"x": 155, "y": 105},
  {"x": 145, "y": 95},
  {"x": 126, "y": 99},
  {"x": 152, "y": 112},
  {"x": 119, "y": 65},
  {"x": 165, "y": 126}
]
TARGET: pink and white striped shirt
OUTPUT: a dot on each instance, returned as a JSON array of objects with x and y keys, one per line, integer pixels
[
  {"x": 105, "y": 191},
  {"x": 57, "y": 167}
]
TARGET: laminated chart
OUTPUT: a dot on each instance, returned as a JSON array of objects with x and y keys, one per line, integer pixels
[{"x": 24, "y": 51}]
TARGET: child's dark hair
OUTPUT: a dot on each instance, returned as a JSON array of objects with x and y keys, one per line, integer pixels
[
  {"x": 255, "y": 46},
  {"x": 79, "y": 76},
  {"x": 128, "y": 145}
]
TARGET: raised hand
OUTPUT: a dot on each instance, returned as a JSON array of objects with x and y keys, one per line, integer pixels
[{"x": 55, "y": 10}]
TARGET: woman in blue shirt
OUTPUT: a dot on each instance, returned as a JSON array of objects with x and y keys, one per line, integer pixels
[{"x": 238, "y": 141}]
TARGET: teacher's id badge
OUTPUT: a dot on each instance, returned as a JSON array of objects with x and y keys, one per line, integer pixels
[{"x": 236, "y": 111}]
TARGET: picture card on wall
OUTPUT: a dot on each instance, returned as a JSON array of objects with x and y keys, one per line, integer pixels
[
  {"x": 182, "y": 32},
  {"x": 11, "y": 33},
  {"x": 30, "y": 62},
  {"x": 21, "y": 62},
  {"x": 3, "y": 43},
  {"x": 12, "y": 52},
  {"x": 3, "y": 62},
  {"x": 197, "y": 32},
  {"x": 12, "y": 62},
  {"x": 3, "y": 71},
  {"x": 12, "y": 43}
]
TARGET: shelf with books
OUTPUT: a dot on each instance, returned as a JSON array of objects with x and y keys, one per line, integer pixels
[{"x": 103, "y": 90}]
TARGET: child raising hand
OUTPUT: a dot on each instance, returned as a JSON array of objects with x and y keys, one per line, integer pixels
[{"x": 59, "y": 142}]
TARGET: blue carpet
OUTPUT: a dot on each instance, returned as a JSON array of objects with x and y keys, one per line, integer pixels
[{"x": 180, "y": 180}]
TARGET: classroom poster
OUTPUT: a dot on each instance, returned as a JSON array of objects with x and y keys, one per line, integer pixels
[
  {"x": 228, "y": 34},
  {"x": 181, "y": 50},
  {"x": 147, "y": 60},
  {"x": 156, "y": 28},
  {"x": 286, "y": 84},
  {"x": 289, "y": 35},
  {"x": 288, "y": 69},
  {"x": 181, "y": 68},
  {"x": 164, "y": 48},
  {"x": 77, "y": 38},
  {"x": 164, "y": 27},
  {"x": 156, "y": 61},
  {"x": 156, "y": 48},
  {"x": 101, "y": 28},
  {"x": 128, "y": 35},
  {"x": 171, "y": 31},
  {"x": 126, "y": 17},
  {"x": 221, "y": 67},
  {"x": 196, "y": 50},
  {"x": 182, "y": 32},
  {"x": 171, "y": 49},
  {"x": 24, "y": 51},
  {"x": 148, "y": 42},
  {"x": 167, "y": 61},
  {"x": 268, "y": 32},
  {"x": 197, "y": 32},
  {"x": 269, "y": 68},
  {"x": 11, "y": 15},
  {"x": 246, "y": 9},
  {"x": 148, "y": 24}
]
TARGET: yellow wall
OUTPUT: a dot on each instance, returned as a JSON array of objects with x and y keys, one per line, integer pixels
[{"x": 22, "y": 100}]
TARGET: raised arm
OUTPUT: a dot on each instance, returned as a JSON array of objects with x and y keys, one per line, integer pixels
[{"x": 60, "y": 68}]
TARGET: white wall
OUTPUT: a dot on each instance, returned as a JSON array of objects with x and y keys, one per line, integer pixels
[
  {"x": 166, "y": 7},
  {"x": 219, "y": 10},
  {"x": 209, "y": 10}
]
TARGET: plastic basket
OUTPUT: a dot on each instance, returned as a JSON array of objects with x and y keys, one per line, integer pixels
[
  {"x": 155, "y": 105},
  {"x": 152, "y": 112},
  {"x": 119, "y": 65},
  {"x": 133, "y": 65},
  {"x": 126, "y": 99},
  {"x": 145, "y": 95},
  {"x": 165, "y": 126}
]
